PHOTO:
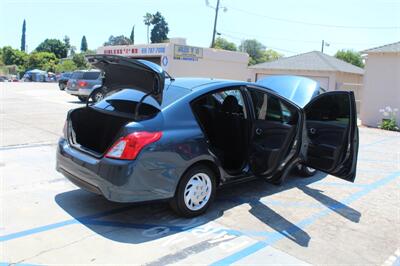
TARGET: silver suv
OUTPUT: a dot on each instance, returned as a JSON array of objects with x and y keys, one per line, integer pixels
[{"x": 85, "y": 83}]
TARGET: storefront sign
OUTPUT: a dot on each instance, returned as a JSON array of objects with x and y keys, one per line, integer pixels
[
  {"x": 135, "y": 50},
  {"x": 189, "y": 53}
]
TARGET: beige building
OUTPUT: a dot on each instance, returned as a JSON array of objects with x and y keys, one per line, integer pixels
[
  {"x": 330, "y": 72},
  {"x": 181, "y": 60},
  {"x": 381, "y": 83}
]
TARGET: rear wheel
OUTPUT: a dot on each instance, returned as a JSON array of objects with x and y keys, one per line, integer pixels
[
  {"x": 82, "y": 98},
  {"x": 195, "y": 192},
  {"x": 306, "y": 171}
]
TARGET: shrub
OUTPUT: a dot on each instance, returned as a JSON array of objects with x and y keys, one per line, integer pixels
[{"x": 389, "y": 122}]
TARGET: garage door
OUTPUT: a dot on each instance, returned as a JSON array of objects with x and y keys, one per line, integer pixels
[{"x": 323, "y": 81}]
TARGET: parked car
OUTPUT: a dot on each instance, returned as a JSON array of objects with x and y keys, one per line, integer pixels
[
  {"x": 180, "y": 139},
  {"x": 63, "y": 79},
  {"x": 85, "y": 83},
  {"x": 3, "y": 79},
  {"x": 299, "y": 90}
]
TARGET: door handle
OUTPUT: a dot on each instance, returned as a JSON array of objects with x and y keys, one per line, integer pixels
[{"x": 259, "y": 131}]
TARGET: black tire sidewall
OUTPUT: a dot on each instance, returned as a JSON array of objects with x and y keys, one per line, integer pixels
[
  {"x": 96, "y": 92},
  {"x": 178, "y": 202}
]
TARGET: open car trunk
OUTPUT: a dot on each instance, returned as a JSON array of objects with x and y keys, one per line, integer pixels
[{"x": 96, "y": 128}]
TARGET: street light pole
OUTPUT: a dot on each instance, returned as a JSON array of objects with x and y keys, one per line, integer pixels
[{"x": 215, "y": 25}]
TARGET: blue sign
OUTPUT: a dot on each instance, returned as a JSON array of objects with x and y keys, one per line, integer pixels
[{"x": 165, "y": 61}]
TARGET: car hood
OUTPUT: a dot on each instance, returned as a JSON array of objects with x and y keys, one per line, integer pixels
[
  {"x": 299, "y": 90},
  {"x": 122, "y": 73}
]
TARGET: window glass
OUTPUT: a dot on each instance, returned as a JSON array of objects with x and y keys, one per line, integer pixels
[
  {"x": 271, "y": 108},
  {"x": 222, "y": 95},
  {"x": 332, "y": 108},
  {"x": 91, "y": 75},
  {"x": 77, "y": 75}
]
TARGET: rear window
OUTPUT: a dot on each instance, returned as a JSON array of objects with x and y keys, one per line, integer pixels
[
  {"x": 77, "y": 75},
  {"x": 91, "y": 75}
]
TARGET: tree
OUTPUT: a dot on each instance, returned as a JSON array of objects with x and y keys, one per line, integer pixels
[
  {"x": 80, "y": 61},
  {"x": 65, "y": 66},
  {"x": 160, "y": 30},
  {"x": 270, "y": 55},
  {"x": 221, "y": 43},
  {"x": 53, "y": 46},
  {"x": 118, "y": 40},
  {"x": 84, "y": 45},
  {"x": 254, "y": 48},
  {"x": 148, "y": 20},
  {"x": 132, "y": 37},
  {"x": 350, "y": 56},
  {"x": 23, "y": 37},
  {"x": 12, "y": 56},
  {"x": 42, "y": 60}
]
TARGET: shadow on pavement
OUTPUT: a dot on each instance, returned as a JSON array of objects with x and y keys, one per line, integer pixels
[{"x": 120, "y": 222}]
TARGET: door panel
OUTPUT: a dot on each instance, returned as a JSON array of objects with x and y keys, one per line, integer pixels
[
  {"x": 273, "y": 128},
  {"x": 332, "y": 133}
]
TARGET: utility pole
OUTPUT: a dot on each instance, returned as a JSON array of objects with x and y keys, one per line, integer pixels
[
  {"x": 322, "y": 47},
  {"x": 215, "y": 25}
]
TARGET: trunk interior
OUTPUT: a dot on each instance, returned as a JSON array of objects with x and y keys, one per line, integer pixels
[{"x": 96, "y": 128}]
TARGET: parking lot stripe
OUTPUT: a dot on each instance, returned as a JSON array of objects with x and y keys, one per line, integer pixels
[{"x": 276, "y": 236}]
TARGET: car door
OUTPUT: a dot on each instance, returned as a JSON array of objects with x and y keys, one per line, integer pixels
[
  {"x": 332, "y": 134},
  {"x": 275, "y": 126}
]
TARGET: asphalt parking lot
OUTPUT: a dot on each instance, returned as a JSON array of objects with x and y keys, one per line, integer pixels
[{"x": 320, "y": 220}]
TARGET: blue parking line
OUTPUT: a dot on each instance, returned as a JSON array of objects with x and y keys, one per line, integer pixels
[
  {"x": 276, "y": 236},
  {"x": 62, "y": 224}
]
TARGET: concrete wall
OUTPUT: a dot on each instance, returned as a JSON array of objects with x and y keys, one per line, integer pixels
[
  {"x": 381, "y": 87},
  {"x": 214, "y": 64},
  {"x": 351, "y": 82}
]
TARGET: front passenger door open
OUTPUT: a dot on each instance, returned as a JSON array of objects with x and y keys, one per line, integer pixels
[{"x": 332, "y": 134}]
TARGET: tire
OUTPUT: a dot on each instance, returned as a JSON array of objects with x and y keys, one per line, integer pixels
[
  {"x": 184, "y": 205},
  {"x": 306, "y": 171},
  {"x": 62, "y": 86},
  {"x": 98, "y": 95},
  {"x": 82, "y": 98}
]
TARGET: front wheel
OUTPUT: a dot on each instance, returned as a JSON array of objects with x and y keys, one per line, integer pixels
[
  {"x": 61, "y": 86},
  {"x": 306, "y": 171},
  {"x": 98, "y": 95},
  {"x": 195, "y": 192}
]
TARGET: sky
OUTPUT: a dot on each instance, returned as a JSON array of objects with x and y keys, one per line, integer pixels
[{"x": 288, "y": 26}]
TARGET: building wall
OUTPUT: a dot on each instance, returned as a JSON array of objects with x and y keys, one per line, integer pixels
[
  {"x": 381, "y": 87},
  {"x": 206, "y": 62},
  {"x": 351, "y": 82}
]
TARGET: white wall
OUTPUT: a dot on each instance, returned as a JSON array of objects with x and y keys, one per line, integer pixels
[{"x": 381, "y": 87}]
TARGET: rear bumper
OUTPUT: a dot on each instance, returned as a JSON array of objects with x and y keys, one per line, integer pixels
[
  {"x": 79, "y": 92},
  {"x": 116, "y": 180}
]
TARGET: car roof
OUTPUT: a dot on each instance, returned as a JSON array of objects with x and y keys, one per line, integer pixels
[{"x": 195, "y": 83}]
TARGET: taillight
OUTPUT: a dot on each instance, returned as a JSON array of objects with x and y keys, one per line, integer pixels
[
  {"x": 128, "y": 147},
  {"x": 82, "y": 83}
]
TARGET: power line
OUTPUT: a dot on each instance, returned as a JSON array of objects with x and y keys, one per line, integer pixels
[
  {"x": 297, "y": 40},
  {"x": 317, "y": 24}
]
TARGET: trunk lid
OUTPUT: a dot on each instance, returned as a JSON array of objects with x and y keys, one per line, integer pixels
[{"x": 127, "y": 73}]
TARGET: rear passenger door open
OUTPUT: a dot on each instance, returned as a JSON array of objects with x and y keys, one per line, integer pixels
[
  {"x": 332, "y": 134},
  {"x": 275, "y": 132}
]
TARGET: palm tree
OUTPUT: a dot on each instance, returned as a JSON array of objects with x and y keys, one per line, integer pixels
[{"x": 148, "y": 19}]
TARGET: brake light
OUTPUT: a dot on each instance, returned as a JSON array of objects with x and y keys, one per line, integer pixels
[
  {"x": 82, "y": 83},
  {"x": 128, "y": 147}
]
